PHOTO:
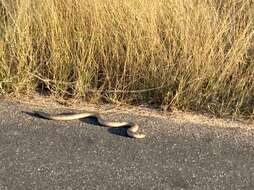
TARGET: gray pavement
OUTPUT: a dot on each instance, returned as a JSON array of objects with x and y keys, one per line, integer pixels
[{"x": 42, "y": 154}]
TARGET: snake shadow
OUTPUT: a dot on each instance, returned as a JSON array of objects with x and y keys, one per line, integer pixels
[{"x": 119, "y": 131}]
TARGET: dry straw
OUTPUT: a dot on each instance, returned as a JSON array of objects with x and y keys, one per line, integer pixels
[{"x": 191, "y": 54}]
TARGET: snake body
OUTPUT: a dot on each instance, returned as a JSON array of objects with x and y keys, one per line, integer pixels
[{"x": 132, "y": 130}]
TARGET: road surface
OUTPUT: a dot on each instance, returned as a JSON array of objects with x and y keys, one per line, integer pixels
[{"x": 42, "y": 154}]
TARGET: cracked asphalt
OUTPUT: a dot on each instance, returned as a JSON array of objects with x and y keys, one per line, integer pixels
[{"x": 42, "y": 154}]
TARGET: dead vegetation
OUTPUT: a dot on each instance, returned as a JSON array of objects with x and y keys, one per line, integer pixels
[{"x": 188, "y": 54}]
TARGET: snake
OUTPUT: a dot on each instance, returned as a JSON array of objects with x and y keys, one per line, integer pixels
[{"x": 132, "y": 130}]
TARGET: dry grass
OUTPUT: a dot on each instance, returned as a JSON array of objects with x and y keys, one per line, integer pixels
[{"x": 191, "y": 54}]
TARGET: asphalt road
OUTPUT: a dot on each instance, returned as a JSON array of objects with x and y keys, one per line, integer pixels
[{"x": 42, "y": 154}]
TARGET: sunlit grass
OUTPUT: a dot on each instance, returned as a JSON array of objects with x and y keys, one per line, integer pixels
[{"x": 188, "y": 54}]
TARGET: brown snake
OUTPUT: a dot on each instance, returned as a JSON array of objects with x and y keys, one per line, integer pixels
[{"x": 132, "y": 130}]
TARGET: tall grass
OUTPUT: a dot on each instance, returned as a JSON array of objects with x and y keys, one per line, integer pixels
[{"x": 189, "y": 54}]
